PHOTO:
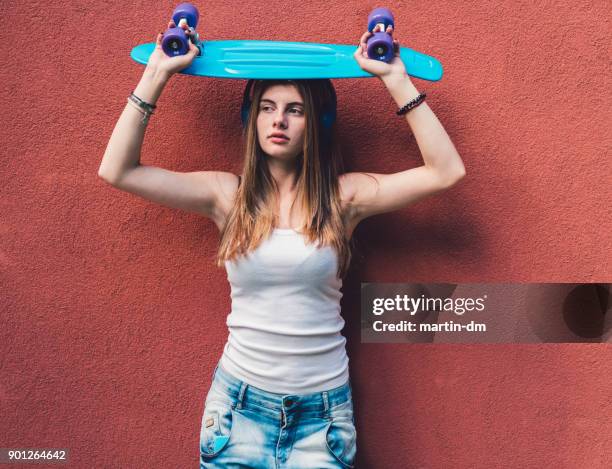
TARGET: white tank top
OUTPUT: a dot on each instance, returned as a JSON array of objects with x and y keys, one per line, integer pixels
[{"x": 285, "y": 323}]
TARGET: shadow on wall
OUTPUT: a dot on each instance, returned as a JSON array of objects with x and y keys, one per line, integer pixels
[{"x": 570, "y": 312}]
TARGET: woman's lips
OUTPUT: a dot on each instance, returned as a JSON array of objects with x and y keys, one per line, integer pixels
[{"x": 278, "y": 140}]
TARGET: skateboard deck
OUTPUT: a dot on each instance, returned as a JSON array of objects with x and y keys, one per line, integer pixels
[{"x": 251, "y": 59}]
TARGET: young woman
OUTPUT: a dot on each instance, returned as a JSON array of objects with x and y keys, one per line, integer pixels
[{"x": 281, "y": 394}]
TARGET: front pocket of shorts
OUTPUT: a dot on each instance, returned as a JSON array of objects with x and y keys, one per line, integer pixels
[
  {"x": 216, "y": 428},
  {"x": 341, "y": 440}
]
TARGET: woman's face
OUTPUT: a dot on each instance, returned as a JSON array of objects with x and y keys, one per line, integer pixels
[{"x": 281, "y": 110}]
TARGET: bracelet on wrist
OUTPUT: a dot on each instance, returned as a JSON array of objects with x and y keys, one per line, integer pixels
[
  {"x": 141, "y": 103},
  {"x": 146, "y": 111},
  {"x": 411, "y": 104}
]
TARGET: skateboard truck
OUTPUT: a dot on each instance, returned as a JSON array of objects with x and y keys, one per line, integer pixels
[{"x": 175, "y": 41}]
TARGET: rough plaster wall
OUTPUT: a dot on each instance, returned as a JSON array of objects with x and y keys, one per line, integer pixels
[{"x": 113, "y": 313}]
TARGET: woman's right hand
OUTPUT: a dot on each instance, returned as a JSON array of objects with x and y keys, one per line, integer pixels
[{"x": 161, "y": 63}]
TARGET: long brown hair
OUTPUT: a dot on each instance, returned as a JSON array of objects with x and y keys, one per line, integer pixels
[{"x": 253, "y": 215}]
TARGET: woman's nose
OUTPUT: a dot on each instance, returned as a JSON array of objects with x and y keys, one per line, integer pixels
[{"x": 279, "y": 120}]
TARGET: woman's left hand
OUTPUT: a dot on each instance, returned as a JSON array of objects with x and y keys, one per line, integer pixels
[{"x": 382, "y": 70}]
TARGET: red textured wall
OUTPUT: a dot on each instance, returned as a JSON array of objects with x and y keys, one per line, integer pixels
[{"x": 113, "y": 313}]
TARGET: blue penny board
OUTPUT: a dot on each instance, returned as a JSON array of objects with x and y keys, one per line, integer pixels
[{"x": 245, "y": 59}]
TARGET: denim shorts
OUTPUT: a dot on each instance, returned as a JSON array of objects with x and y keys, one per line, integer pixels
[{"x": 244, "y": 426}]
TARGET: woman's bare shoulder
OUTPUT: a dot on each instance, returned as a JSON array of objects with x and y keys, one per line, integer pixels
[
  {"x": 347, "y": 183},
  {"x": 228, "y": 184}
]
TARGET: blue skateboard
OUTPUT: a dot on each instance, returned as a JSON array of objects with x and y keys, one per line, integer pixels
[{"x": 252, "y": 59}]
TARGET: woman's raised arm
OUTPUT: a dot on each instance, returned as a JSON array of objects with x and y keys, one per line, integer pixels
[
  {"x": 123, "y": 150},
  {"x": 208, "y": 193},
  {"x": 371, "y": 194}
]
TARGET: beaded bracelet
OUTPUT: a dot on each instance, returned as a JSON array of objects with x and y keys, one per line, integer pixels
[{"x": 412, "y": 104}]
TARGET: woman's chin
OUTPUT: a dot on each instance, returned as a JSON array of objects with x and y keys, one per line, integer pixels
[{"x": 277, "y": 152}]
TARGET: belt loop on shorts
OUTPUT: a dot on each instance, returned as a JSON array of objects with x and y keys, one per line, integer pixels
[
  {"x": 325, "y": 404},
  {"x": 243, "y": 388}
]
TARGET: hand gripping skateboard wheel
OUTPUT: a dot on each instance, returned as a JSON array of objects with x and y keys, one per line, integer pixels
[
  {"x": 380, "y": 45},
  {"x": 175, "y": 41}
]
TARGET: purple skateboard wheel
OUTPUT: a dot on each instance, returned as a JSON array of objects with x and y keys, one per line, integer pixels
[
  {"x": 175, "y": 41},
  {"x": 187, "y": 11},
  {"x": 380, "y": 45}
]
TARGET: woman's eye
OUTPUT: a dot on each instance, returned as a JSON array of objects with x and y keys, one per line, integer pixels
[{"x": 297, "y": 110}]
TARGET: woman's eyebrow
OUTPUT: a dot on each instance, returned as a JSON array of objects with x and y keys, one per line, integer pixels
[{"x": 288, "y": 104}]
